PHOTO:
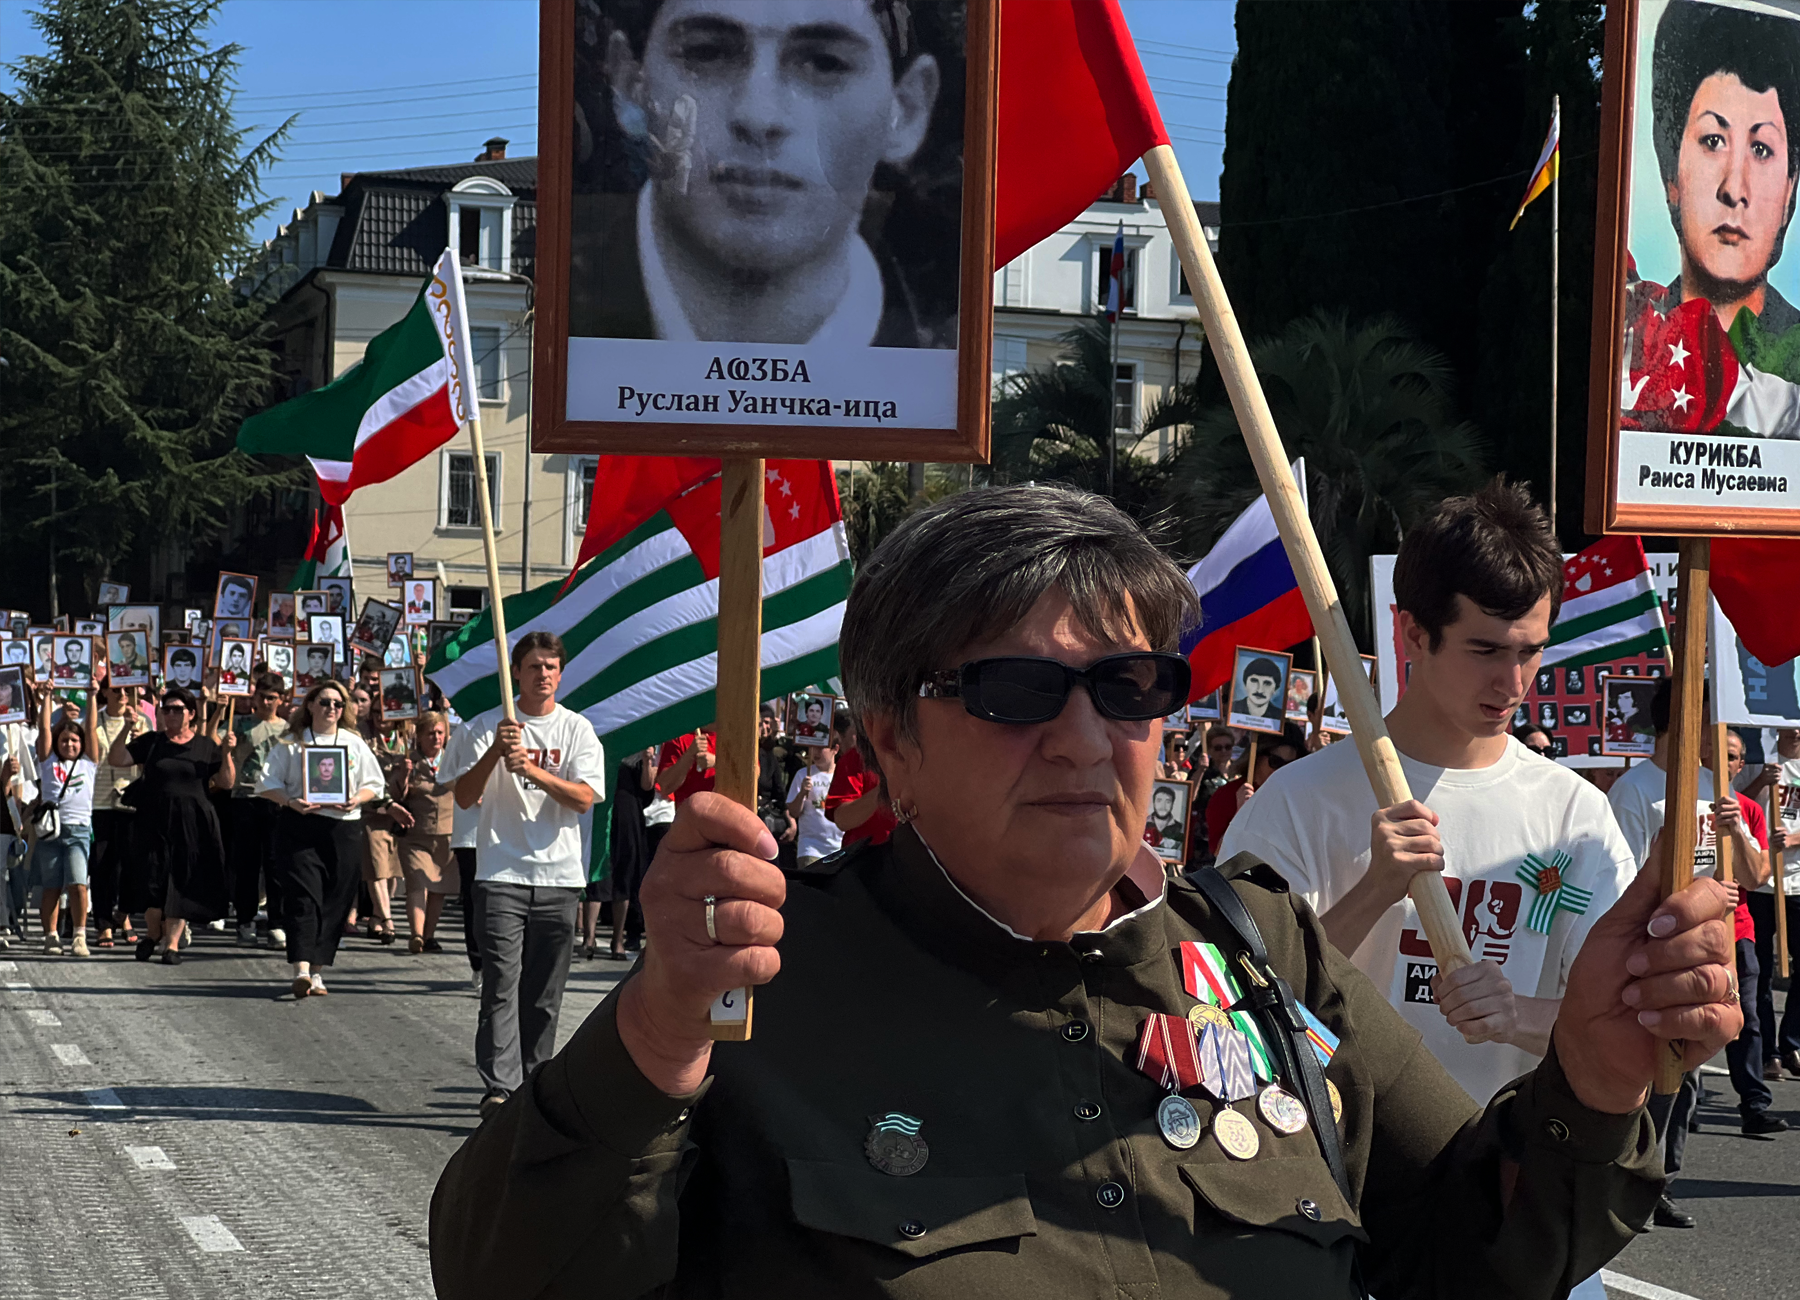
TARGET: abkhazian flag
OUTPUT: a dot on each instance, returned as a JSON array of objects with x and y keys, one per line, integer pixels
[
  {"x": 328, "y": 551},
  {"x": 640, "y": 619},
  {"x": 1547, "y": 163},
  {"x": 1610, "y": 608},
  {"x": 406, "y": 397}
]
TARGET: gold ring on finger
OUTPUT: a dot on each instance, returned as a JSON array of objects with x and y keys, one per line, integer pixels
[{"x": 712, "y": 928}]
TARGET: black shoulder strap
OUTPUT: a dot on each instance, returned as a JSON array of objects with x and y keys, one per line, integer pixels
[{"x": 1272, "y": 1001}]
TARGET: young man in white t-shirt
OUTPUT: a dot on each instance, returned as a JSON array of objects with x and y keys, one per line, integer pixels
[
  {"x": 816, "y": 835},
  {"x": 534, "y": 779},
  {"x": 1478, "y": 586},
  {"x": 1781, "y": 1043}
]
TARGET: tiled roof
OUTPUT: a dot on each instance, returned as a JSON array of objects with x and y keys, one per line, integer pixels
[{"x": 396, "y": 223}]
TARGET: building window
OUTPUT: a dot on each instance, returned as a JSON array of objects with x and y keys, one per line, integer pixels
[
  {"x": 468, "y": 236},
  {"x": 485, "y": 342},
  {"x": 1125, "y": 396},
  {"x": 460, "y": 507},
  {"x": 1008, "y": 359},
  {"x": 470, "y": 599},
  {"x": 581, "y": 474},
  {"x": 1127, "y": 281}
]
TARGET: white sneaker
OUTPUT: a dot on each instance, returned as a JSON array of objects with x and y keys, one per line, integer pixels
[
  {"x": 277, "y": 938},
  {"x": 247, "y": 935},
  {"x": 52, "y": 946},
  {"x": 217, "y": 927},
  {"x": 318, "y": 985},
  {"x": 79, "y": 947},
  {"x": 475, "y": 982}
]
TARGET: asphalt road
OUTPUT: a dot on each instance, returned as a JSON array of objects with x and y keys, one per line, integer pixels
[{"x": 194, "y": 1133}]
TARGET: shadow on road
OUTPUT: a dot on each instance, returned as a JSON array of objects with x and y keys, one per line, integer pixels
[{"x": 239, "y": 1104}]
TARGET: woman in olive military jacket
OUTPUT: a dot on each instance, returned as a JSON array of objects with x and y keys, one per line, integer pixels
[{"x": 946, "y": 1092}]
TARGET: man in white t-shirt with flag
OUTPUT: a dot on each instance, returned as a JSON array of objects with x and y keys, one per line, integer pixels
[
  {"x": 1781, "y": 1043},
  {"x": 1529, "y": 850},
  {"x": 534, "y": 778}
]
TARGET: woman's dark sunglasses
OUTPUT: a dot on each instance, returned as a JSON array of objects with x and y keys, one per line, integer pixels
[{"x": 1022, "y": 690}]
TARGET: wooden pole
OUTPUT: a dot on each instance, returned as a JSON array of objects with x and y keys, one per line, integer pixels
[
  {"x": 1721, "y": 775},
  {"x": 1437, "y": 915},
  {"x": 739, "y": 672},
  {"x": 1555, "y": 291},
  {"x": 496, "y": 606},
  {"x": 1250, "y": 764},
  {"x": 1776, "y": 870},
  {"x": 1680, "y": 824},
  {"x": 1321, "y": 675}
]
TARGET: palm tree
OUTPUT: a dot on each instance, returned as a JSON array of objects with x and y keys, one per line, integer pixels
[
  {"x": 1370, "y": 408},
  {"x": 1053, "y": 423}
]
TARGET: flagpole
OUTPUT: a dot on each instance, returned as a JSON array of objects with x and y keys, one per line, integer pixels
[
  {"x": 496, "y": 605},
  {"x": 1555, "y": 298},
  {"x": 1112, "y": 404},
  {"x": 1437, "y": 915}
]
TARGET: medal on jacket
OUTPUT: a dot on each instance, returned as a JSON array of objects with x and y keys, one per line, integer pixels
[
  {"x": 1281, "y": 1110},
  {"x": 1207, "y": 976},
  {"x": 1179, "y": 1121},
  {"x": 1225, "y": 1064},
  {"x": 1235, "y": 1135},
  {"x": 1168, "y": 1053},
  {"x": 894, "y": 1145}
]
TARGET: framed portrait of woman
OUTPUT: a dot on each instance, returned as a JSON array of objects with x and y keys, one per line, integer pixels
[
  {"x": 1694, "y": 416},
  {"x": 814, "y": 284}
]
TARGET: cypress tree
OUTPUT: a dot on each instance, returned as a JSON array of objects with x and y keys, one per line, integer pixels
[{"x": 127, "y": 201}]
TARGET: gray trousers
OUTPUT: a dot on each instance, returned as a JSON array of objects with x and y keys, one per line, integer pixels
[
  {"x": 526, "y": 933},
  {"x": 1670, "y": 1112}
]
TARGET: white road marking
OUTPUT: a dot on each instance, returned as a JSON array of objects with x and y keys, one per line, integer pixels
[
  {"x": 1710, "y": 1069},
  {"x": 15, "y": 984},
  {"x": 70, "y": 1054},
  {"x": 45, "y": 1018},
  {"x": 103, "y": 1099},
  {"x": 149, "y": 1158},
  {"x": 1647, "y": 1290},
  {"x": 8, "y": 967},
  {"x": 209, "y": 1234}
]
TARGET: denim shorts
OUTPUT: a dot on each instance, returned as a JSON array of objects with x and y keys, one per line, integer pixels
[{"x": 62, "y": 862}]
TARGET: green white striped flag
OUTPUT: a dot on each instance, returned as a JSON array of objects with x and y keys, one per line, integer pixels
[
  {"x": 1610, "y": 608},
  {"x": 640, "y": 620}
]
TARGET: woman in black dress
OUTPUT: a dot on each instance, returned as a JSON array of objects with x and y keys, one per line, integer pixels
[{"x": 178, "y": 843}]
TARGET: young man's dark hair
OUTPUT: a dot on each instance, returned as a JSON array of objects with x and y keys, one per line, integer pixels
[
  {"x": 269, "y": 682},
  {"x": 1494, "y": 547},
  {"x": 548, "y": 642}
]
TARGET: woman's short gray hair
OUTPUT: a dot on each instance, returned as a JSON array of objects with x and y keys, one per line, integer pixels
[{"x": 973, "y": 565}]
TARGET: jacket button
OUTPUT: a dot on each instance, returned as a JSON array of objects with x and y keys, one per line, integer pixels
[
  {"x": 1091, "y": 955},
  {"x": 912, "y": 1230},
  {"x": 1075, "y": 1030},
  {"x": 1086, "y": 1110},
  {"x": 1558, "y": 1131},
  {"x": 1110, "y": 1195},
  {"x": 1308, "y": 1208}
]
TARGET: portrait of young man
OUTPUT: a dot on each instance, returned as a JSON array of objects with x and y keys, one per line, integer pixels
[
  {"x": 1478, "y": 584},
  {"x": 1259, "y": 687},
  {"x": 236, "y": 596},
  {"x": 181, "y": 666},
  {"x": 768, "y": 171}
]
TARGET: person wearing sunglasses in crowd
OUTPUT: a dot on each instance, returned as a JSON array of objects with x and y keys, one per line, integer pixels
[
  {"x": 985, "y": 999},
  {"x": 1272, "y": 754},
  {"x": 1536, "y": 739},
  {"x": 318, "y": 847},
  {"x": 178, "y": 835},
  {"x": 1478, "y": 584}
]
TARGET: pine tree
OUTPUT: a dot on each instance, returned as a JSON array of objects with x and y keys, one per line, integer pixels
[{"x": 127, "y": 200}]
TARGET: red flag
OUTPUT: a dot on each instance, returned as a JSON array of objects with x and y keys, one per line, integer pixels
[
  {"x": 1075, "y": 111},
  {"x": 799, "y": 499},
  {"x": 1753, "y": 579}
]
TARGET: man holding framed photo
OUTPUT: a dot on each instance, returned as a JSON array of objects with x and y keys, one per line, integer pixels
[{"x": 530, "y": 869}]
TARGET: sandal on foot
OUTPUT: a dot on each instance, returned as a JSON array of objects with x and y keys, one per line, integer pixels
[{"x": 302, "y": 986}]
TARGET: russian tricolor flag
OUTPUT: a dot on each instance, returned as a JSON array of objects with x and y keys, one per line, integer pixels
[
  {"x": 1115, "y": 275},
  {"x": 1248, "y": 595}
]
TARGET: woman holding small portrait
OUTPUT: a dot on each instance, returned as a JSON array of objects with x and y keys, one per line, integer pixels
[
  {"x": 113, "y": 818},
  {"x": 318, "y": 847},
  {"x": 178, "y": 839},
  {"x": 381, "y": 847}
]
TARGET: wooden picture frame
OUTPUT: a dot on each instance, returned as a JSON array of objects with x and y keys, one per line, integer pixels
[
  {"x": 278, "y": 657},
  {"x": 72, "y": 667},
  {"x": 128, "y": 664},
  {"x": 1250, "y": 663},
  {"x": 803, "y": 730},
  {"x": 184, "y": 666},
  {"x": 376, "y": 626},
  {"x": 233, "y": 679},
  {"x": 281, "y": 616},
  {"x": 306, "y": 653},
  {"x": 417, "y": 612},
  {"x": 1664, "y": 453},
  {"x": 146, "y": 619},
  {"x": 959, "y": 432},
  {"x": 15, "y": 696},
  {"x": 1299, "y": 704},
  {"x": 399, "y": 567},
  {"x": 234, "y": 597}
]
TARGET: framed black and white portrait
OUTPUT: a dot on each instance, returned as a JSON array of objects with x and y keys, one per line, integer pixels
[
  {"x": 1208, "y": 708},
  {"x": 281, "y": 615},
  {"x": 325, "y": 774},
  {"x": 73, "y": 665},
  {"x": 1626, "y": 730},
  {"x": 399, "y": 694},
  {"x": 376, "y": 627},
  {"x": 182, "y": 666},
  {"x": 145, "y": 619},
  {"x": 338, "y": 598},
  {"x": 313, "y": 663},
  {"x": 1259, "y": 689},
  {"x": 235, "y": 597},
  {"x": 768, "y": 226},
  {"x": 1166, "y": 828},
  {"x": 327, "y": 629},
  {"x": 128, "y": 659},
  {"x": 235, "y": 659},
  {"x": 15, "y": 696},
  {"x": 279, "y": 655}
]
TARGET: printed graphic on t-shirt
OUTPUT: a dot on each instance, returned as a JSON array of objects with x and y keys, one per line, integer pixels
[{"x": 1490, "y": 914}]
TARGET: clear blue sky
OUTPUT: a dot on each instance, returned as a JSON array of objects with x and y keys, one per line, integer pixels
[{"x": 373, "y": 87}]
